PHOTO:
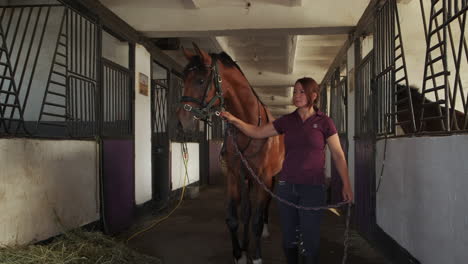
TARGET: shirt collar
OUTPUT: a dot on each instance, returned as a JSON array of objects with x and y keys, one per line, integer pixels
[{"x": 317, "y": 112}]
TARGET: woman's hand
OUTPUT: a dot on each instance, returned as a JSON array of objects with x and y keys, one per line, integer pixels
[
  {"x": 348, "y": 195},
  {"x": 250, "y": 130},
  {"x": 228, "y": 116}
]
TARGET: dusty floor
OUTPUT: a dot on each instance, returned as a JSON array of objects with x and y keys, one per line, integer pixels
[{"x": 196, "y": 233}]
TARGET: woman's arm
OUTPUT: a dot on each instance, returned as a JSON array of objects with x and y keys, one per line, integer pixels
[
  {"x": 250, "y": 130},
  {"x": 341, "y": 166}
]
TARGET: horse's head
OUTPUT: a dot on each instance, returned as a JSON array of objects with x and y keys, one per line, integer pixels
[{"x": 202, "y": 88}]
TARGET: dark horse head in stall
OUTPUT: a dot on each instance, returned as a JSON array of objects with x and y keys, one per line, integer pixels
[{"x": 431, "y": 109}]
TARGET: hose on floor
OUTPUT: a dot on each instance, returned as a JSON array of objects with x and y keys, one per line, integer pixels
[{"x": 185, "y": 158}]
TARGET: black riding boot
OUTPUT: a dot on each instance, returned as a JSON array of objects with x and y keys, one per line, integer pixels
[
  {"x": 291, "y": 255},
  {"x": 309, "y": 259}
]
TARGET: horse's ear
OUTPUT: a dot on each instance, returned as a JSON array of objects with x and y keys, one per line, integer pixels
[
  {"x": 187, "y": 53},
  {"x": 197, "y": 50},
  {"x": 205, "y": 57}
]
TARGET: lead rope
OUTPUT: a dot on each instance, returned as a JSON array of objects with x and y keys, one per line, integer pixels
[{"x": 316, "y": 208}]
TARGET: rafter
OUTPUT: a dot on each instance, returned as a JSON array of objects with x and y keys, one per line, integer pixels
[
  {"x": 291, "y": 45},
  {"x": 195, "y": 4},
  {"x": 296, "y": 2},
  {"x": 250, "y": 32}
]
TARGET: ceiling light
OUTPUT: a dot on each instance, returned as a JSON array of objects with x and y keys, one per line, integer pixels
[{"x": 255, "y": 57}]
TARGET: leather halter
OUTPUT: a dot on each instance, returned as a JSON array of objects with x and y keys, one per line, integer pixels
[{"x": 206, "y": 110}]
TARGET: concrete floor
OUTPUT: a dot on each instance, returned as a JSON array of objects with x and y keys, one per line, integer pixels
[{"x": 196, "y": 233}]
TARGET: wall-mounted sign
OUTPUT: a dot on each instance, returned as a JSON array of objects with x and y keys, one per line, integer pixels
[{"x": 143, "y": 84}]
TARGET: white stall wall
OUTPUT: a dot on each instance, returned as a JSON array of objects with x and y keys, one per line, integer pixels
[
  {"x": 422, "y": 200},
  {"x": 178, "y": 168},
  {"x": 46, "y": 187},
  {"x": 143, "y": 192}
]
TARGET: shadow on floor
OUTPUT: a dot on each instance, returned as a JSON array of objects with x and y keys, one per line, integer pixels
[{"x": 196, "y": 234}]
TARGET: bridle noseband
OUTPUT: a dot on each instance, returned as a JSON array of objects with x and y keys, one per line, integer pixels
[{"x": 206, "y": 110}]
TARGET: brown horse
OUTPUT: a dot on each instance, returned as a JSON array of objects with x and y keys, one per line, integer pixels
[
  {"x": 213, "y": 81},
  {"x": 430, "y": 110}
]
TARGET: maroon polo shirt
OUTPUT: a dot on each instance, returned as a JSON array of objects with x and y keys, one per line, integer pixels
[{"x": 304, "y": 162}]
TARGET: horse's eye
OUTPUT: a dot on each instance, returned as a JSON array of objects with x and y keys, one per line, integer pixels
[{"x": 201, "y": 81}]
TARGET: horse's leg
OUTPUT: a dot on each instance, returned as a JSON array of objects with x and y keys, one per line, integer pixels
[
  {"x": 232, "y": 219},
  {"x": 246, "y": 215},
  {"x": 265, "y": 231},
  {"x": 257, "y": 221}
]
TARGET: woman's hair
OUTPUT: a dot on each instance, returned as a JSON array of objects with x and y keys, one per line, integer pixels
[{"x": 310, "y": 87}]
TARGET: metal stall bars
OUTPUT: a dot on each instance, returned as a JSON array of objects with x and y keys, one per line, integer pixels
[
  {"x": 339, "y": 114},
  {"x": 364, "y": 147},
  {"x": 384, "y": 51},
  {"x": 71, "y": 97},
  {"x": 117, "y": 95},
  {"x": 437, "y": 68},
  {"x": 22, "y": 31},
  {"x": 160, "y": 136},
  {"x": 393, "y": 94},
  {"x": 9, "y": 93},
  {"x": 324, "y": 98},
  {"x": 403, "y": 109},
  {"x": 338, "y": 104}
]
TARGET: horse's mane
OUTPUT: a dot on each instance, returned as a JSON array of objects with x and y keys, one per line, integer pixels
[
  {"x": 226, "y": 60},
  {"x": 415, "y": 93}
]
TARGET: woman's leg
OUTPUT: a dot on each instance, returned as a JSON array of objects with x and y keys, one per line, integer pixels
[
  {"x": 311, "y": 195},
  {"x": 289, "y": 220}
]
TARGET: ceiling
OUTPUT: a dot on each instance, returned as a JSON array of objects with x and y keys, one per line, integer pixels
[{"x": 275, "y": 42}]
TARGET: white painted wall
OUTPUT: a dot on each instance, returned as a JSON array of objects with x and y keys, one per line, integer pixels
[
  {"x": 46, "y": 187},
  {"x": 351, "y": 112},
  {"x": 178, "y": 168},
  {"x": 422, "y": 200},
  {"x": 367, "y": 44},
  {"x": 115, "y": 50},
  {"x": 143, "y": 192}
]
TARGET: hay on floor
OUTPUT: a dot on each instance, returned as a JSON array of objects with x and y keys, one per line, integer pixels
[{"x": 76, "y": 247}]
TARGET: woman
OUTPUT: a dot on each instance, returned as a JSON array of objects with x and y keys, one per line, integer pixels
[{"x": 302, "y": 180}]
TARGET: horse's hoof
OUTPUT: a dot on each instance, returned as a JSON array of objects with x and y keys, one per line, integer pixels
[
  {"x": 257, "y": 261},
  {"x": 242, "y": 260},
  {"x": 265, "y": 232}
]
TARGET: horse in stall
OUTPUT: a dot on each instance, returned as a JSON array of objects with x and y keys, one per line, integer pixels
[
  {"x": 216, "y": 81},
  {"x": 430, "y": 110}
]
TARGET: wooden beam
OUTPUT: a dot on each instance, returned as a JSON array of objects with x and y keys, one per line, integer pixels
[
  {"x": 197, "y": 4},
  {"x": 111, "y": 21},
  {"x": 191, "y": 4},
  {"x": 296, "y": 2},
  {"x": 364, "y": 26},
  {"x": 277, "y": 86},
  {"x": 252, "y": 32},
  {"x": 291, "y": 44},
  {"x": 275, "y": 100}
]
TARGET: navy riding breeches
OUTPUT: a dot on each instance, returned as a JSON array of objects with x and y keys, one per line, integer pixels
[{"x": 295, "y": 222}]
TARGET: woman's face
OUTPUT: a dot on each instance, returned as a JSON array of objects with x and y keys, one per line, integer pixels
[{"x": 299, "y": 96}]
